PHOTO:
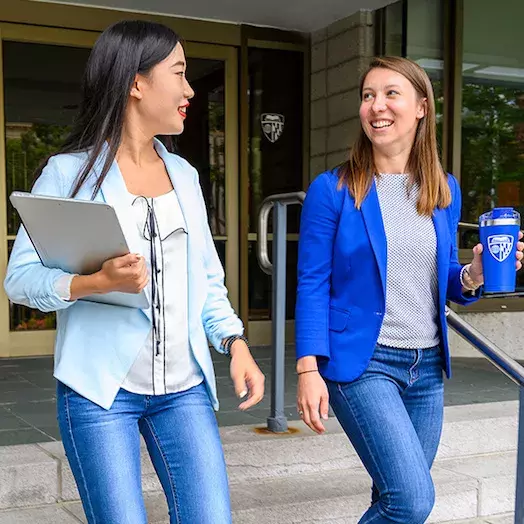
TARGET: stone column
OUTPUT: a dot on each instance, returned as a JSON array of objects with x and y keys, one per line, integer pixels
[{"x": 339, "y": 54}]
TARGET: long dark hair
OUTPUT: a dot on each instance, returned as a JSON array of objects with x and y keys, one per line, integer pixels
[{"x": 122, "y": 51}]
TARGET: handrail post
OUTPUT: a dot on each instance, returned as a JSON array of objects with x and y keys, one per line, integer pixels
[
  {"x": 519, "y": 495},
  {"x": 277, "y": 421}
]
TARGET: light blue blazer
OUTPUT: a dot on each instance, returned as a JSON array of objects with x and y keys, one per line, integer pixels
[{"x": 96, "y": 344}]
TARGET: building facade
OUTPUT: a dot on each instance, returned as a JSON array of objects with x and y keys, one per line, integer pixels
[{"x": 274, "y": 106}]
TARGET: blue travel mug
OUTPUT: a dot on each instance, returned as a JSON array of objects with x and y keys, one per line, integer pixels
[{"x": 499, "y": 234}]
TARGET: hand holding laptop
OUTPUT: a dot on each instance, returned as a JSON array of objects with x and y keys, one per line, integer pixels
[
  {"x": 85, "y": 238},
  {"x": 125, "y": 274}
]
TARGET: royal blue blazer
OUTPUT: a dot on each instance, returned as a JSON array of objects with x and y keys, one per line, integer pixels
[{"x": 342, "y": 264}]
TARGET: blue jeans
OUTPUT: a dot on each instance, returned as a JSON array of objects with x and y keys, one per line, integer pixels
[
  {"x": 393, "y": 416},
  {"x": 181, "y": 434}
]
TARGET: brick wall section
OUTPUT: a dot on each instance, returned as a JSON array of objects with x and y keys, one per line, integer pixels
[{"x": 339, "y": 54}]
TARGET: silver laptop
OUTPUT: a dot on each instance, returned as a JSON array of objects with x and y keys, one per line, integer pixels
[{"x": 77, "y": 236}]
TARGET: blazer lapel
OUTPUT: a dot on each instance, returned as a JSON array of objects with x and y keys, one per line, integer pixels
[
  {"x": 181, "y": 184},
  {"x": 375, "y": 229},
  {"x": 443, "y": 250},
  {"x": 191, "y": 210},
  {"x": 114, "y": 192}
]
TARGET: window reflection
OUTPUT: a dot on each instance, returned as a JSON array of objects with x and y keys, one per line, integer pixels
[
  {"x": 422, "y": 31},
  {"x": 425, "y": 28},
  {"x": 203, "y": 141},
  {"x": 41, "y": 96},
  {"x": 492, "y": 112},
  {"x": 275, "y": 158}
]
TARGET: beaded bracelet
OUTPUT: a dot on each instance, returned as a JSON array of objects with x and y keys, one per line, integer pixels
[
  {"x": 466, "y": 280},
  {"x": 228, "y": 343}
]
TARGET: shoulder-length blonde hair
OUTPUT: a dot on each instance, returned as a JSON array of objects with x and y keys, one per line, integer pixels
[{"x": 423, "y": 165}]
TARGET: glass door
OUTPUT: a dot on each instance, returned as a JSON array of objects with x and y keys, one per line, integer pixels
[
  {"x": 39, "y": 96},
  {"x": 275, "y": 164}
]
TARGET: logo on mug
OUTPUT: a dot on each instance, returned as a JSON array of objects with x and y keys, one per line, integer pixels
[{"x": 500, "y": 246}]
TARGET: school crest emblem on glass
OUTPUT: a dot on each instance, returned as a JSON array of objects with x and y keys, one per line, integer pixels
[
  {"x": 500, "y": 246},
  {"x": 272, "y": 125}
]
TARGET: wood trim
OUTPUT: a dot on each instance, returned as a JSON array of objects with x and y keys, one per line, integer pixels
[
  {"x": 280, "y": 46},
  {"x": 4, "y": 301},
  {"x": 244, "y": 182},
  {"x": 452, "y": 129},
  {"x": 269, "y": 34},
  {"x": 47, "y": 35},
  {"x": 97, "y": 19}
]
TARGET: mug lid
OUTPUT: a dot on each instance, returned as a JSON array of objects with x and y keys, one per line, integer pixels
[{"x": 499, "y": 213}]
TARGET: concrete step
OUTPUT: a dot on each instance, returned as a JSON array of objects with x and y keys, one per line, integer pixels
[
  {"x": 468, "y": 430},
  {"x": 507, "y": 518},
  {"x": 335, "y": 497},
  {"x": 306, "y": 478}
]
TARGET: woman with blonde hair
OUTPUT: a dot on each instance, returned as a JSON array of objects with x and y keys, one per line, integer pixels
[{"x": 378, "y": 260}]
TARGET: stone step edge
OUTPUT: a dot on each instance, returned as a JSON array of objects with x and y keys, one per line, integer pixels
[
  {"x": 355, "y": 501},
  {"x": 452, "y": 414}
]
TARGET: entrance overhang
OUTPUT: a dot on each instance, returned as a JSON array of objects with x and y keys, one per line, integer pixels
[{"x": 294, "y": 15}]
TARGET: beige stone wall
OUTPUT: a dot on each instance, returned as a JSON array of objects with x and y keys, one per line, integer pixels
[
  {"x": 502, "y": 328},
  {"x": 339, "y": 54}
]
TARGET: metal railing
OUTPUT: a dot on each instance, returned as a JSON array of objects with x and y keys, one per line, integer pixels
[{"x": 277, "y": 421}]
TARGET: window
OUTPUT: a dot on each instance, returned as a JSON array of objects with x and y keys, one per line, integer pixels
[
  {"x": 42, "y": 93},
  {"x": 275, "y": 160},
  {"x": 414, "y": 28},
  {"x": 492, "y": 172}
]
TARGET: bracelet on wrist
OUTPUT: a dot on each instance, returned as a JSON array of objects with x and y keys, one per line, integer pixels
[
  {"x": 307, "y": 371},
  {"x": 466, "y": 280},
  {"x": 227, "y": 343}
]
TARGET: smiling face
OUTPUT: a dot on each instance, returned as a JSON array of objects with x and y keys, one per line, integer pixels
[
  {"x": 163, "y": 95},
  {"x": 390, "y": 110}
]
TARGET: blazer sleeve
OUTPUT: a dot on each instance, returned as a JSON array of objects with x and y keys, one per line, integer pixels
[
  {"x": 28, "y": 281},
  {"x": 455, "y": 293},
  {"x": 318, "y": 227},
  {"x": 218, "y": 317}
]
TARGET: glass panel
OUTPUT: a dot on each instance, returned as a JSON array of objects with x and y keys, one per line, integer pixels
[
  {"x": 260, "y": 285},
  {"x": 41, "y": 101},
  {"x": 275, "y": 157},
  {"x": 41, "y": 93},
  {"x": 40, "y": 104},
  {"x": 25, "y": 319},
  {"x": 393, "y": 30},
  {"x": 203, "y": 141},
  {"x": 492, "y": 111},
  {"x": 425, "y": 46},
  {"x": 275, "y": 128},
  {"x": 221, "y": 249}
]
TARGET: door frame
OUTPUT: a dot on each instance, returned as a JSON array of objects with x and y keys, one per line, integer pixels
[
  {"x": 260, "y": 331},
  {"x": 32, "y": 343}
]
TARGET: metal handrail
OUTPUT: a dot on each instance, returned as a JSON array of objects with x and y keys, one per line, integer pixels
[
  {"x": 501, "y": 360},
  {"x": 468, "y": 225},
  {"x": 277, "y": 421},
  {"x": 263, "y": 219}
]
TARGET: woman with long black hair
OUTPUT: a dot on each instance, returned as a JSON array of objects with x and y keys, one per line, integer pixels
[{"x": 121, "y": 371}]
